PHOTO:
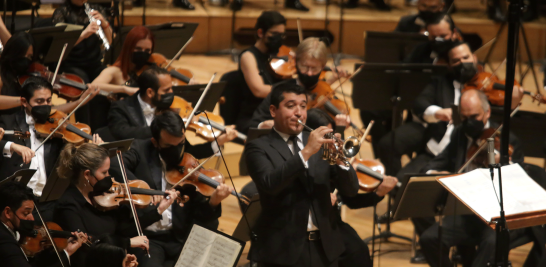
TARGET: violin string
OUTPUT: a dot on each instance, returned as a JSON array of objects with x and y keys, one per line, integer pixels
[{"x": 47, "y": 233}]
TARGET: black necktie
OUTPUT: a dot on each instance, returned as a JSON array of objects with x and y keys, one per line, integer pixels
[{"x": 295, "y": 148}]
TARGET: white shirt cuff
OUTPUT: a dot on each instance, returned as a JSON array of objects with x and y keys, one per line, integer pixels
[
  {"x": 7, "y": 150},
  {"x": 215, "y": 148},
  {"x": 343, "y": 167},
  {"x": 304, "y": 162},
  {"x": 429, "y": 114}
]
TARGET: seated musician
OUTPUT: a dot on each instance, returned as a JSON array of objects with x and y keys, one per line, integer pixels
[
  {"x": 428, "y": 9},
  {"x": 107, "y": 250},
  {"x": 311, "y": 58},
  {"x": 87, "y": 168},
  {"x": 15, "y": 61},
  {"x": 16, "y": 203},
  {"x": 441, "y": 30},
  {"x": 294, "y": 183},
  {"x": 19, "y": 153},
  {"x": 475, "y": 113},
  {"x": 151, "y": 160}
]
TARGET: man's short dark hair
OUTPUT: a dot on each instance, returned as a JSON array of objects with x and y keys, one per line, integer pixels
[
  {"x": 269, "y": 19},
  {"x": 318, "y": 117},
  {"x": 32, "y": 84},
  {"x": 277, "y": 95},
  {"x": 169, "y": 121},
  {"x": 12, "y": 194},
  {"x": 450, "y": 45},
  {"x": 149, "y": 79},
  {"x": 439, "y": 18}
]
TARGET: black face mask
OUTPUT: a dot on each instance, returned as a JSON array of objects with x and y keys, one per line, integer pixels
[
  {"x": 464, "y": 72},
  {"x": 164, "y": 102},
  {"x": 306, "y": 80},
  {"x": 26, "y": 227},
  {"x": 473, "y": 128},
  {"x": 440, "y": 46},
  {"x": 140, "y": 58},
  {"x": 172, "y": 155},
  {"x": 428, "y": 16},
  {"x": 40, "y": 113},
  {"x": 20, "y": 66},
  {"x": 102, "y": 186},
  {"x": 274, "y": 43}
]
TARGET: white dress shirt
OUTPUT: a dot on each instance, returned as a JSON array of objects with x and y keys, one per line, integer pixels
[
  {"x": 147, "y": 110},
  {"x": 38, "y": 180}
]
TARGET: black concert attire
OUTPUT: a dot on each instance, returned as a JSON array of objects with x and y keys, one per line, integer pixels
[
  {"x": 167, "y": 237},
  {"x": 249, "y": 102},
  {"x": 126, "y": 119},
  {"x": 461, "y": 229},
  {"x": 422, "y": 54},
  {"x": 410, "y": 23},
  {"x": 11, "y": 253},
  {"x": 73, "y": 213},
  {"x": 43, "y": 162},
  {"x": 297, "y": 225},
  {"x": 85, "y": 60}
]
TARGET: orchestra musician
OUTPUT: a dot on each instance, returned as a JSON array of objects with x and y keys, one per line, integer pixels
[
  {"x": 86, "y": 166},
  {"x": 16, "y": 58},
  {"x": 19, "y": 153},
  {"x": 107, "y": 250},
  {"x": 428, "y": 9},
  {"x": 296, "y": 225},
  {"x": 461, "y": 229},
  {"x": 17, "y": 204},
  {"x": 311, "y": 58},
  {"x": 150, "y": 160}
]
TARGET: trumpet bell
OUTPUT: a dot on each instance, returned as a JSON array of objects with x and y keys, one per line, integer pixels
[{"x": 351, "y": 146}]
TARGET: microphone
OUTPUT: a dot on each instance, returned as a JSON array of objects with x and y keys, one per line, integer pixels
[
  {"x": 197, "y": 112},
  {"x": 491, "y": 151}
]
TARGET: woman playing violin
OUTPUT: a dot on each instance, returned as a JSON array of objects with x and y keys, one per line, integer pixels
[{"x": 87, "y": 168}]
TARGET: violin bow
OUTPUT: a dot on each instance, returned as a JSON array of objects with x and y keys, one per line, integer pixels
[
  {"x": 190, "y": 118},
  {"x": 59, "y": 64},
  {"x": 483, "y": 144},
  {"x": 192, "y": 171},
  {"x": 128, "y": 192},
  {"x": 366, "y": 132},
  {"x": 48, "y": 234},
  {"x": 300, "y": 34},
  {"x": 324, "y": 98},
  {"x": 179, "y": 53}
]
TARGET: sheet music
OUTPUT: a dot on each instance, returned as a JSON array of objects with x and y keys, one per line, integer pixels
[
  {"x": 205, "y": 248},
  {"x": 521, "y": 193}
]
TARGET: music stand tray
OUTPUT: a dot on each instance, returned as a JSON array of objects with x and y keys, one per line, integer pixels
[
  {"x": 252, "y": 212},
  {"x": 121, "y": 145},
  {"x": 390, "y": 47},
  {"x": 20, "y": 176},
  {"x": 192, "y": 93},
  {"x": 49, "y": 42}
]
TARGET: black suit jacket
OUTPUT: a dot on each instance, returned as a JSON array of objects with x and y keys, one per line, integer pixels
[
  {"x": 142, "y": 162},
  {"x": 126, "y": 120},
  {"x": 407, "y": 24},
  {"x": 17, "y": 121},
  {"x": 454, "y": 155},
  {"x": 287, "y": 192}
]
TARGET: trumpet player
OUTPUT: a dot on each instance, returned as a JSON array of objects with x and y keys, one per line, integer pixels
[{"x": 296, "y": 226}]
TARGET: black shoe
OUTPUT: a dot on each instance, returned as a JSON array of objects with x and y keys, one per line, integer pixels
[
  {"x": 236, "y": 5},
  {"x": 351, "y": 4},
  {"x": 380, "y": 5},
  {"x": 137, "y": 3},
  {"x": 419, "y": 258},
  {"x": 185, "y": 4},
  {"x": 494, "y": 13},
  {"x": 295, "y": 4}
]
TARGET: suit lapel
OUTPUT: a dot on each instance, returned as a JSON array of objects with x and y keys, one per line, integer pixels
[
  {"x": 135, "y": 111},
  {"x": 154, "y": 164},
  {"x": 279, "y": 144},
  {"x": 21, "y": 121}
]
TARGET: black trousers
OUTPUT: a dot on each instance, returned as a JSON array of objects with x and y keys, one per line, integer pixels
[
  {"x": 311, "y": 256},
  {"x": 356, "y": 252},
  {"x": 164, "y": 251},
  {"x": 458, "y": 230},
  {"x": 408, "y": 138}
]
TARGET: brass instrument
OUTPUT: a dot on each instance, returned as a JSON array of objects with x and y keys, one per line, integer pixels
[{"x": 341, "y": 149}]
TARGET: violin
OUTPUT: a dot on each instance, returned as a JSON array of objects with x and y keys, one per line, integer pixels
[
  {"x": 141, "y": 195},
  {"x": 67, "y": 86},
  {"x": 489, "y": 84},
  {"x": 283, "y": 64},
  {"x": 480, "y": 156},
  {"x": 370, "y": 174},
  {"x": 204, "y": 180},
  {"x": 182, "y": 76},
  {"x": 18, "y": 134},
  {"x": 39, "y": 240},
  {"x": 199, "y": 123},
  {"x": 322, "y": 97},
  {"x": 75, "y": 133}
]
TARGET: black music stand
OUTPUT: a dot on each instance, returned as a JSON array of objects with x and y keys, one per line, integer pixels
[
  {"x": 252, "y": 212},
  {"x": 49, "y": 42},
  {"x": 21, "y": 176},
  {"x": 252, "y": 134},
  {"x": 394, "y": 86},
  {"x": 121, "y": 145},
  {"x": 192, "y": 93},
  {"x": 390, "y": 47},
  {"x": 169, "y": 38}
]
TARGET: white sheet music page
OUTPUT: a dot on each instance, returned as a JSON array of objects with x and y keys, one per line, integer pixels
[
  {"x": 205, "y": 248},
  {"x": 475, "y": 189}
]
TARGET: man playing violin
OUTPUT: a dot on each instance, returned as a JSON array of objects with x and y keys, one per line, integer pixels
[
  {"x": 475, "y": 113},
  {"x": 295, "y": 227},
  {"x": 36, "y": 95},
  {"x": 151, "y": 160},
  {"x": 16, "y": 204}
]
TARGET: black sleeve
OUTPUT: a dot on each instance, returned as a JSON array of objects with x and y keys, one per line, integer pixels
[
  {"x": 400, "y": 25},
  {"x": 126, "y": 223},
  {"x": 11, "y": 255},
  {"x": 425, "y": 99},
  {"x": 58, "y": 16},
  {"x": 345, "y": 181},
  {"x": 49, "y": 258},
  {"x": 131, "y": 159},
  {"x": 121, "y": 128},
  {"x": 262, "y": 113},
  {"x": 361, "y": 200}
]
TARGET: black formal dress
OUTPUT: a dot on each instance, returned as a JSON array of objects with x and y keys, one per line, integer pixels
[
  {"x": 142, "y": 162},
  {"x": 461, "y": 229},
  {"x": 288, "y": 193},
  {"x": 73, "y": 213},
  {"x": 126, "y": 119},
  {"x": 410, "y": 23}
]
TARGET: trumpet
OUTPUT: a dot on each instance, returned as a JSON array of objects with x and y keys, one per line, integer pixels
[
  {"x": 341, "y": 149},
  {"x": 100, "y": 32}
]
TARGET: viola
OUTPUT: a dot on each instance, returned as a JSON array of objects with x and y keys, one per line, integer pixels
[
  {"x": 204, "y": 180},
  {"x": 39, "y": 240},
  {"x": 182, "y": 76},
  {"x": 322, "y": 96},
  {"x": 75, "y": 133},
  {"x": 200, "y": 123},
  {"x": 284, "y": 63},
  {"x": 67, "y": 86},
  {"x": 489, "y": 84},
  {"x": 481, "y": 159}
]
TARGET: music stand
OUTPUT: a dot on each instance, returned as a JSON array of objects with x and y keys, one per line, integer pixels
[
  {"x": 390, "y": 47},
  {"x": 252, "y": 212},
  {"x": 113, "y": 147},
  {"x": 20, "y": 176},
  {"x": 49, "y": 42},
  {"x": 169, "y": 38},
  {"x": 378, "y": 86},
  {"x": 192, "y": 93},
  {"x": 252, "y": 134}
]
